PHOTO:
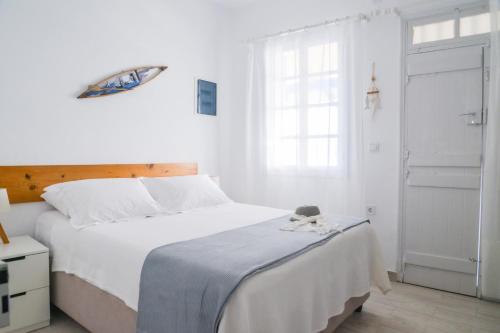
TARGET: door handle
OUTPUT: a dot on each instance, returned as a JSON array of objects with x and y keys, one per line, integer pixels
[
  {"x": 18, "y": 295},
  {"x": 14, "y": 259},
  {"x": 473, "y": 121}
]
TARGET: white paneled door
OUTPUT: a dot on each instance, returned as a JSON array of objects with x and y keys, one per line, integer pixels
[{"x": 442, "y": 168}]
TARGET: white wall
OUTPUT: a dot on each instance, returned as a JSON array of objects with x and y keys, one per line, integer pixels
[
  {"x": 383, "y": 127},
  {"x": 51, "y": 50},
  {"x": 384, "y": 48}
]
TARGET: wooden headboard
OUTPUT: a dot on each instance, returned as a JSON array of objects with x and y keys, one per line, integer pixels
[{"x": 26, "y": 183}]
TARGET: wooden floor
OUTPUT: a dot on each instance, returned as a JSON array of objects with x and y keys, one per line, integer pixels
[{"x": 406, "y": 308}]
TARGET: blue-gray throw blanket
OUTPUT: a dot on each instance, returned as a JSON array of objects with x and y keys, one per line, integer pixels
[{"x": 185, "y": 286}]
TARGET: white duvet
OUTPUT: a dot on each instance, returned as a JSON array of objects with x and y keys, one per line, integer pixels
[{"x": 295, "y": 297}]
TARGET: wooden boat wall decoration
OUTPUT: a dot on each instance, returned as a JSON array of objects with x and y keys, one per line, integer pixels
[{"x": 123, "y": 81}]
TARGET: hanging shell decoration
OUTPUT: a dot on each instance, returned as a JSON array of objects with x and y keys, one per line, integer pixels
[
  {"x": 372, "y": 101},
  {"x": 123, "y": 81}
]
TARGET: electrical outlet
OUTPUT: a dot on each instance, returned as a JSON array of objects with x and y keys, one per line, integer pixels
[{"x": 371, "y": 210}]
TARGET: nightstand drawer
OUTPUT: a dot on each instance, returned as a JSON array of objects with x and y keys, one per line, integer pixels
[
  {"x": 29, "y": 309},
  {"x": 28, "y": 272}
]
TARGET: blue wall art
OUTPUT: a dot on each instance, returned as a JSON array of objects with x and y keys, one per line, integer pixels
[
  {"x": 206, "y": 98},
  {"x": 123, "y": 81}
]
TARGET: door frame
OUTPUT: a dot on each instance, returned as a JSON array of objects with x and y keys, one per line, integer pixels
[{"x": 481, "y": 41}]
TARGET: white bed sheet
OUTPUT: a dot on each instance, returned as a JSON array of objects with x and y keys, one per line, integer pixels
[{"x": 306, "y": 290}]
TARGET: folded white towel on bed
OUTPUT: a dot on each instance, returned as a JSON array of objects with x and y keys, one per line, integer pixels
[{"x": 315, "y": 223}]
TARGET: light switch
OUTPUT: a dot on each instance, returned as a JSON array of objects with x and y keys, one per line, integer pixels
[{"x": 374, "y": 147}]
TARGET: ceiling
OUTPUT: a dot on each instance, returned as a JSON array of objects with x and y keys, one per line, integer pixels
[
  {"x": 402, "y": 3},
  {"x": 235, "y": 3}
]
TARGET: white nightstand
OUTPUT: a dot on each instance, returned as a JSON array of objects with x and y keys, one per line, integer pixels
[{"x": 28, "y": 263}]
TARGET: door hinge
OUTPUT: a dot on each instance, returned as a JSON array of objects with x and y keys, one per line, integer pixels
[
  {"x": 407, "y": 79},
  {"x": 406, "y": 155},
  {"x": 487, "y": 75}
]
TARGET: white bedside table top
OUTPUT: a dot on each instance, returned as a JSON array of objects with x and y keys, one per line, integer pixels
[{"x": 21, "y": 246}]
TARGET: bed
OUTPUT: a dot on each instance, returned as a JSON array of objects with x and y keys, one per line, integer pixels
[{"x": 96, "y": 271}]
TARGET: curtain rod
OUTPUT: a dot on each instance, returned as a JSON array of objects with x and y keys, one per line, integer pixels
[{"x": 361, "y": 17}]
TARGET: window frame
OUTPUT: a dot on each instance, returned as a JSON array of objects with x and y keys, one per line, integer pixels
[{"x": 303, "y": 108}]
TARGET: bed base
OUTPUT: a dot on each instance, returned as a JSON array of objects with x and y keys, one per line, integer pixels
[{"x": 101, "y": 312}]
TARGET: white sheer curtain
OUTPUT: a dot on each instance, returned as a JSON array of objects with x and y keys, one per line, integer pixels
[
  {"x": 490, "y": 233},
  {"x": 304, "y": 120}
]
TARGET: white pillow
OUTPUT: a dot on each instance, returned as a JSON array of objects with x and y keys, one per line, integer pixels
[
  {"x": 178, "y": 194},
  {"x": 94, "y": 201},
  {"x": 53, "y": 198}
]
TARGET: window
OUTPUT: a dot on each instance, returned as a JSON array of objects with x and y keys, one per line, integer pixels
[
  {"x": 475, "y": 25},
  {"x": 433, "y": 32},
  {"x": 303, "y": 106},
  {"x": 451, "y": 27}
]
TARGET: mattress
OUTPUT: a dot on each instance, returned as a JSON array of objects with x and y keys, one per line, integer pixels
[{"x": 308, "y": 290}]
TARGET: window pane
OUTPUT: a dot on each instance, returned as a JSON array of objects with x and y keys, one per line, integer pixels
[
  {"x": 322, "y": 152},
  {"x": 317, "y": 152},
  {"x": 475, "y": 25},
  {"x": 286, "y": 152},
  {"x": 286, "y": 64},
  {"x": 322, "y": 89},
  {"x": 433, "y": 32},
  {"x": 322, "y": 58},
  {"x": 290, "y": 63},
  {"x": 286, "y": 122},
  {"x": 290, "y": 93},
  {"x": 334, "y": 152},
  {"x": 322, "y": 120},
  {"x": 286, "y": 93}
]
